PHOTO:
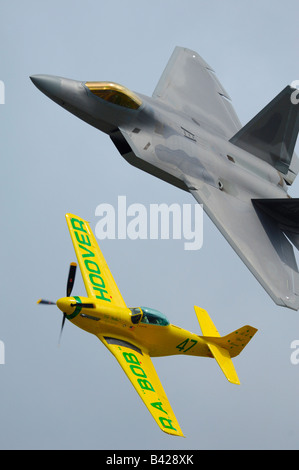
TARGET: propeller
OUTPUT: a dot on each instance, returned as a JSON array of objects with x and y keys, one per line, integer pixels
[
  {"x": 71, "y": 279},
  {"x": 69, "y": 288},
  {"x": 83, "y": 305},
  {"x": 45, "y": 302}
]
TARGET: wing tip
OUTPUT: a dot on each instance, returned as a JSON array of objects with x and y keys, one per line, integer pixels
[{"x": 178, "y": 433}]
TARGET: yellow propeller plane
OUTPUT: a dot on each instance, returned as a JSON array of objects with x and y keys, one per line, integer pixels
[{"x": 134, "y": 335}]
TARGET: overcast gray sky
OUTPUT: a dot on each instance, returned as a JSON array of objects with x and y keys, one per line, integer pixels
[{"x": 76, "y": 396}]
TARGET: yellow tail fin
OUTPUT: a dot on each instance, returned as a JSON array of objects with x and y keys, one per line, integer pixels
[{"x": 224, "y": 348}]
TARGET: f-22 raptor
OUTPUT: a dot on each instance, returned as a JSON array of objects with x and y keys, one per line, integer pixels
[{"x": 189, "y": 135}]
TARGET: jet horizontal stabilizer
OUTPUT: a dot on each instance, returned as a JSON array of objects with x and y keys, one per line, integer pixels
[{"x": 283, "y": 211}]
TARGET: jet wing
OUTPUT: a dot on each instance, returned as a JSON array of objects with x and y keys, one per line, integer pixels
[
  {"x": 189, "y": 85},
  {"x": 257, "y": 239},
  {"x": 139, "y": 368},
  {"x": 98, "y": 280}
]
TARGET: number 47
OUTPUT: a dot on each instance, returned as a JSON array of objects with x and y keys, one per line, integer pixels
[{"x": 183, "y": 346}]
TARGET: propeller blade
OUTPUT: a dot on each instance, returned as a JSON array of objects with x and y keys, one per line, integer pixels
[
  {"x": 71, "y": 279},
  {"x": 62, "y": 326},
  {"x": 45, "y": 302},
  {"x": 83, "y": 305}
]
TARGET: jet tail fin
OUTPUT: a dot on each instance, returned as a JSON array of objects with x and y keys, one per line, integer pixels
[
  {"x": 224, "y": 348},
  {"x": 271, "y": 135}
]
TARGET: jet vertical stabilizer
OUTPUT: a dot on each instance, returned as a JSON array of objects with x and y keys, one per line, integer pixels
[{"x": 271, "y": 135}]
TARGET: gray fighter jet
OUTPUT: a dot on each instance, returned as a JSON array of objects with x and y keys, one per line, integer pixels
[{"x": 188, "y": 135}]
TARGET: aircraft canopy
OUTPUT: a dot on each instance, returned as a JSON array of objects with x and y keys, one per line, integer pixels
[
  {"x": 150, "y": 316},
  {"x": 115, "y": 94}
]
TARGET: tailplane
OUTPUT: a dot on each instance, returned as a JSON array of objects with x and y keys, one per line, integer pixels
[
  {"x": 285, "y": 212},
  {"x": 224, "y": 348}
]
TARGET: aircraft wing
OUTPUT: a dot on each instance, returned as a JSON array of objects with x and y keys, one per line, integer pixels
[
  {"x": 139, "y": 368},
  {"x": 98, "y": 280},
  {"x": 257, "y": 239},
  {"x": 189, "y": 85}
]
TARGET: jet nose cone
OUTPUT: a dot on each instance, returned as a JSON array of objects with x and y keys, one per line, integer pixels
[
  {"x": 48, "y": 84},
  {"x": 64, "y": 91}
]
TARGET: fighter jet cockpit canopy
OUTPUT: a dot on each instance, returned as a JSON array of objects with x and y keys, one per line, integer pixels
[
  {"x": 115, "y": 93},
  {"x": 149, "y": 316}
]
